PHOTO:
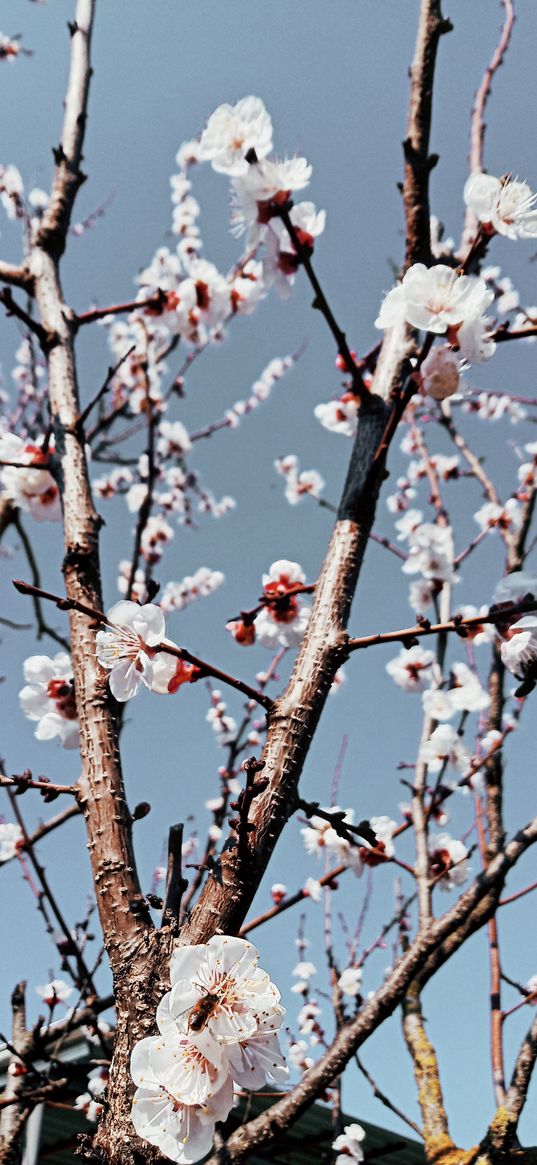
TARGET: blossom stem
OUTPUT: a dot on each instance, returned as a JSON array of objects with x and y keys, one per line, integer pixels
[
  {"x": 321, "y": 303},
  {"x": 477, "y": 126},
  {"x": 98, "y": 313},
  {"x": 503, "y": 334},
  {"x": 207, "y": 669}
]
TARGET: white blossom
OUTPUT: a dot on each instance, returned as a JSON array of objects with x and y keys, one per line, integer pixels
[
  {"x": 244, "y": 1003},
  {"x": 181, "y": 1130},
  {"x": 448, "y": 861},
  {"x": 49, "y": 698},
  {"x": 466, "y": 693},
  {"x": 125, "y": 650},
  {"x": 519, "y": 649},
  {"x": 177, "y": 595},
  {"x": 33, "y": 490},
  {"x": 349, "y": 1144},
  {"x": 10, "y": 837},
  {"x": 438, "y": 704},
  {"x": 320, "y": 836},
  {"x": 493, "y": 515},
  {"x": 173, "y": 439},
  {"x": 339, "y": 416},
  {"x": 503, "y": 204},
  {"x": 283, "y": 620},
  {"x": 256, "y": 194},
  {"x": 431, "y": 552},
  {"x": 412, "y": 668},
  {"x": 349, "y": 981},
  {"x": 57, "y": 991},
  {"x": 297, "y": 484},
  {"x": 233, "y": 130},
  {"x": 444, "y": 747},
  {"x": 313, "y": 889},
  {"x": 434, "y": 299}
]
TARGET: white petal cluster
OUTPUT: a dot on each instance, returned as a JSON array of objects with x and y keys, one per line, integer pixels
[
  {"x": 11, "y": 191},
  {"x": 298, "y": 484},
  {"x": 57, "y": 991},
  {"x": 519, "y": 648},
  {"x": 439, "y": 300},
  {"x": 233, "y": 130},
  {"x": 49, "y": 698},
  {"x": 282, "y": 624},
  {"x": 178, "y": 595},
  {"x": 10, "y": 48},
  {"x": 504, "y": 205},
  {"x": 10, "y": 836},
  {"x": 339, "y": 416},
  {"x": 127, "y": 651},
  {"x": 448, "y": 861},
  {"x": 412, "y": 669},
  {"x": 444, "y": 748},
  {"x": 218, "y": 1026},
  {"x": 320, "y": 837},
  {"x": 348, "y": 1145},
  {"x": 350, "y": 981},
  {"x": 33, "y": 490},
  {"x": 431, "y": 552},
  {"x": 494, "y": 516}
]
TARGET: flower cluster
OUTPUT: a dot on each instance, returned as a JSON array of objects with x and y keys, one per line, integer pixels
[
  {"x": 282, "y": 616},
  {"x": 440, "y": 300},
  {"x": 49, "y": 698},
  {"x": 504, "y": 206},
  {"x": 218, "y": 1026},
  {"x": 237, "y": 141},
  {"x": 348, "y": 1146},
  {"x": 90, "y": 1102},
  {"x": 320, "y": 837},
  {"x": 298, "y": 484},
  {"x": 33, "y": 489},
  {"x": 448, "y": 861}
]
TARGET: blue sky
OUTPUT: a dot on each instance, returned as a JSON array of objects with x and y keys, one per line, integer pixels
[{"x": 335, "y": 82}]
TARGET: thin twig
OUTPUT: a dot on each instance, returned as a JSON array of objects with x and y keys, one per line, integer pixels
[
  {"x": 43, "y": 627},
  {"x": 321, "y": 304},
  {"x": 379, "y": 1095},
  {"x": 406, "y": 635}
]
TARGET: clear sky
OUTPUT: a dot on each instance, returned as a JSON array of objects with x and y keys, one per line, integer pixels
[{"x": 334, "y": 78}]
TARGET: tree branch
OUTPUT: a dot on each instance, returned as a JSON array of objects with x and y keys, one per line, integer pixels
[
  {"x": 431, "y": 1101},
  {"x": 418, "y": 161},
  {"x": 477, "y": 122},
  {"x": 433, "y": 944},
  {"x": 16, "y": 276},
  {"x": 175, "y": 883}
]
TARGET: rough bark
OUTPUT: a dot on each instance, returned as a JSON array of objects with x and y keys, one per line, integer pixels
[{"x": 14, "y": 1116}]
